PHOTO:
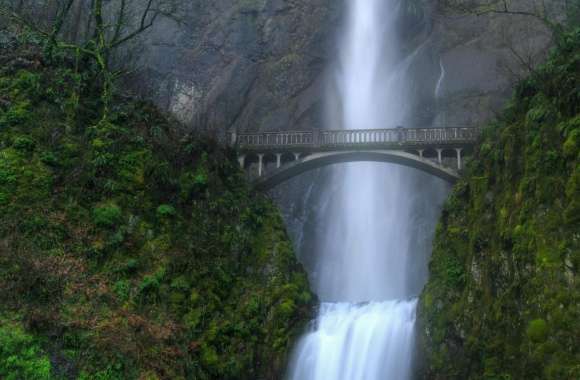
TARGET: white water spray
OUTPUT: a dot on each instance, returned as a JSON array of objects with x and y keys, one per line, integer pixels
[
  {"x": 440, "y": 80},
  {"x": 365, "y": 327}
]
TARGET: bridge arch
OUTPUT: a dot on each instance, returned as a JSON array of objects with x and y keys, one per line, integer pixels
[{"x": 318, "y": 160}]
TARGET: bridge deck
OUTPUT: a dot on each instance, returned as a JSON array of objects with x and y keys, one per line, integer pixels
[
  {"x": 327, "y": 140},
  {"x": 411, "y": 147}
]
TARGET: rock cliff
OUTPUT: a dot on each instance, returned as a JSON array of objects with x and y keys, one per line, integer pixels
[
  {"x": 260, "y": 65},
  {"x": 503, "y": 301},
  {"x": 245, "y": 64}
]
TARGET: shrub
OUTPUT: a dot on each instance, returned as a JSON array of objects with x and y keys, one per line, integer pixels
[
  {"x": 24, "y": 144},
  {"x": 537, "y": 330},
  {"x": 20, "y": 356},
  {"x": 165, "y": 211},
  {"x": 107, "y": 215}
]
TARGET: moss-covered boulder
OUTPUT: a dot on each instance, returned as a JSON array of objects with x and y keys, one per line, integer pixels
[
  {"x": 503, "y": 300},
  {"x": 129, "y": 250}
]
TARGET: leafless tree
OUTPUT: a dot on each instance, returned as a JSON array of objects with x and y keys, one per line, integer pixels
[
  {"x": 546, "y": 11},
  {"x": 551, "y": 16},
  {"x": 106, "y": 25}
]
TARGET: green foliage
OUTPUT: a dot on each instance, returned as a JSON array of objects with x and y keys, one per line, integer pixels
[
  {"x": 24, "y": 144},
  {"x": 142, "y": 249},
  {"x": 537, "y": 330},
  {"x": 107, "y": 215},
  {"x": 165, "y": 211},
  {"x": 20, "y": 354},
  {"x": 507, "y": 248}
]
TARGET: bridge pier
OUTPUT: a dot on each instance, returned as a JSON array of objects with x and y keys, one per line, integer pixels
[
  {"x": 260, "y": 164},
  {"x": 458, "y": 150}
]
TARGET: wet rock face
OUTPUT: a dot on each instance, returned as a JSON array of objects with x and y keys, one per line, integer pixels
[
  {"x": 244, "y": 64},
  {"x": 480, "y": 58},
  {"x": 260, "y": 64}
]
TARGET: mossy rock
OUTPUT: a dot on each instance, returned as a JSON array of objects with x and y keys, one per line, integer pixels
[
  {"x": 129, "y": 250},
  {"x": 503, "y": 298}
]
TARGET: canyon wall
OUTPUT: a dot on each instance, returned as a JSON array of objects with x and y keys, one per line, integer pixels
[{"x": 261, "y": 65}]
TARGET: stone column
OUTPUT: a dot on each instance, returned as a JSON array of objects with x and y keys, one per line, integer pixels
[
  {"x": 296, "y": 156},
  {"x": 242, "y": 160},
  {"x": 421, "y": 152},
  {"x": 278, "y": 160},
  {"x": 458, "y": 150},
  {"x": 439, "y": 156},
  {"x": 260, "y": 164}
]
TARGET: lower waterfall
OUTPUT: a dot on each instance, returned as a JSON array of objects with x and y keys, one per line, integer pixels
[
  {"x": 359, "y": 341},
  {"x": 365, "y": 329}
]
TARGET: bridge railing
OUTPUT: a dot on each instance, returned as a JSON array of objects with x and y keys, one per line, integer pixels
[
  {"x": 355, "y": 137},
  {"x": 263, "y": 139},
  {"x": 438, "y": 135}
]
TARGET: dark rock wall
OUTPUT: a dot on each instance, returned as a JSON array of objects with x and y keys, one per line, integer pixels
[
  {"x": 480, "y": 58},
  {"x": 241, "y": 65},
  {"x": 261, "y": 65}
]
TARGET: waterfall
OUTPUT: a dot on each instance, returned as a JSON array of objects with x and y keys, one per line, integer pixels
[{"x": 365, "y": 325}]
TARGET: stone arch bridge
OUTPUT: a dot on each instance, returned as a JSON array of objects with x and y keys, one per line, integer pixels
[{"x": 271, "y": 158}]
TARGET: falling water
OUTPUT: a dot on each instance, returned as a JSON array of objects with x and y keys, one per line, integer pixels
[{"x": 365, "y": 326}]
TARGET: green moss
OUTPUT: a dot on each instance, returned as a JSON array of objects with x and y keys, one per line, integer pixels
[
  {"x": 537, "y": 330},
  {"x": 165, "y": 211},
  {"x": 506, "y": 248},
  {"x": 107, "y": 215},
  {"x": 20, "y": 354},
  {"x": 129, "y": 250}
]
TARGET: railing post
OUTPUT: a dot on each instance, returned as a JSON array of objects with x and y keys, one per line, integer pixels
[{"x": 400, "y": 135}]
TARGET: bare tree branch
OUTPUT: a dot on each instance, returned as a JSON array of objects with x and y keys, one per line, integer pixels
[
  {"x": 109, "y": 24},
  {"x": 61, "y": 16},
  {"x": 120, "y": 17},
  {"x": 502, "y": 7}
]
